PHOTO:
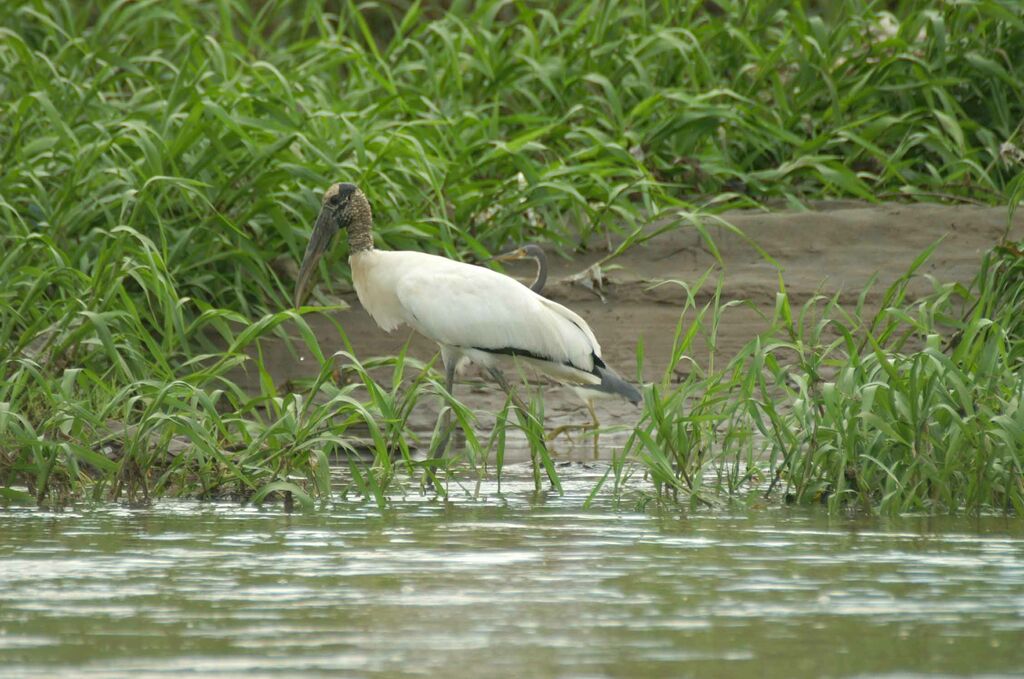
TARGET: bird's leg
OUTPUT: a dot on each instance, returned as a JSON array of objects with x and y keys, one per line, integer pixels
[
  {"x": 499, "y": 377},
  {"x": 523, "y": 409},
  {"x": 446, "y": 424},
  {"x": 595, "y": 424}
]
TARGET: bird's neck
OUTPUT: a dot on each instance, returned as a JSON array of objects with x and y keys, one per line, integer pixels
[
  {"x": 360, "y": 235},
  {"x": 542, "y": 276},
  {"x": 360, "y": 229}
]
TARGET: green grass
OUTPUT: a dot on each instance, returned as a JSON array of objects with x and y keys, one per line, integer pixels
[
  {"x": 918, "y": 407},
  {"x": 161, "y": 162}
]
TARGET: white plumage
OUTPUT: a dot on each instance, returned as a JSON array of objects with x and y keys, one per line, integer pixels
[{"x": 474, "y": 312}]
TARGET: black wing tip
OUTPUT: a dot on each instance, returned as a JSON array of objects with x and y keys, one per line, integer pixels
[
  {"x": 611, "y": 383},
  {"x": 516, "y": 352}
]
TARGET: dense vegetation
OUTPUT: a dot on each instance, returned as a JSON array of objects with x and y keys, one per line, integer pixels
[
  {"x": 919, "y": 407},
  {"x": 161, "y": 161}
]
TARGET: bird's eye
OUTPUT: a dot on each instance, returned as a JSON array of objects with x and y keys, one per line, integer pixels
[{"x": 335, "y": 200}]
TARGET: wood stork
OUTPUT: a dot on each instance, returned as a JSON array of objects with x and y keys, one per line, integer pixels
[
  {"x": 472, "y": 312},
  {"x": 588, "y": 393}
]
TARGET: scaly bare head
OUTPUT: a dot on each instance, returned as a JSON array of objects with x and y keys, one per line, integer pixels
[
  {"x": 510, "y": 256},
  {"x": 529, "y": 251},
  {"x": 344, "y": 207}
]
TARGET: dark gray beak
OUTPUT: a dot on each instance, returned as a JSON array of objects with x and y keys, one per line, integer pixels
[{"x": 319, "y": 243}]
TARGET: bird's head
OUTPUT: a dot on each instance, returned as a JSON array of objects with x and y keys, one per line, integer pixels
[
  {"x": 529, "y": 251},
  {"x": 343, "y": 204},
  {"x": 510, "y": 256}
]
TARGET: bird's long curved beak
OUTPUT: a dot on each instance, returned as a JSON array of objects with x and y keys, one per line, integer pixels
[
  {"x": 319, "y": 243},
  {"x": 510, "y": 256}
]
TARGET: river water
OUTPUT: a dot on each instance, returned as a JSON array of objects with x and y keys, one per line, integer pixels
[{"x": 508, "y": 584}]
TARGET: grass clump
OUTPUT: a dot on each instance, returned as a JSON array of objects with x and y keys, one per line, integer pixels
[{"x": 918, "y": 407}]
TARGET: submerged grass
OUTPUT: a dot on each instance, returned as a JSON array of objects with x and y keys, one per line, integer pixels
[{"x": 160, "y": 163}]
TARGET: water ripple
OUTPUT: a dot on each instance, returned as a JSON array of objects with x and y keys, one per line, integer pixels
[{"x": 522, "y": 585}]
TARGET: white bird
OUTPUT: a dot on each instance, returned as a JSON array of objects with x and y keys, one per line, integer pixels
[
  {"x": 472, "y": 312},
  {"x": 588, "y": 393}
]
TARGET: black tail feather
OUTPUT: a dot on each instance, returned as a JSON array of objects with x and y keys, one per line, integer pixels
[{"x": 611, "y": 383}]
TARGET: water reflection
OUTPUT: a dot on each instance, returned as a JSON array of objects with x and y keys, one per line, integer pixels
[{"x": 504, "y": 586}]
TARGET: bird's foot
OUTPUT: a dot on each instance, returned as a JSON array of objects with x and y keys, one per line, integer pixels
[
  {"x": 590, "y": 428},
  {"x": 566, "y": 428}
]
